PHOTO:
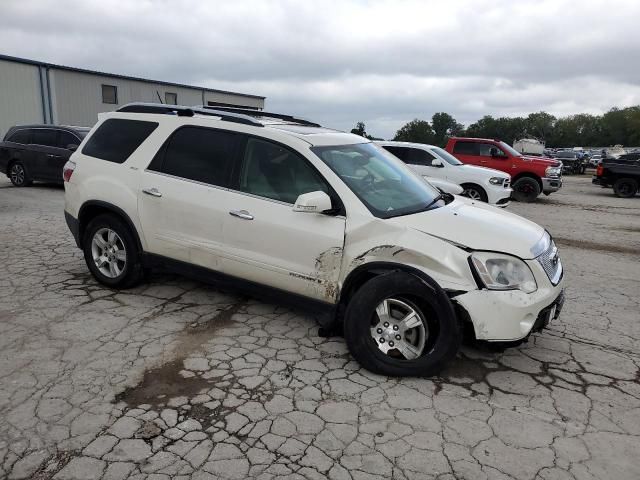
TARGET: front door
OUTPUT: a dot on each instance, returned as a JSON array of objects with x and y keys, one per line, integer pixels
[
  {"x": 265, "y": 240},
  {"x": 183, "y": 196}
]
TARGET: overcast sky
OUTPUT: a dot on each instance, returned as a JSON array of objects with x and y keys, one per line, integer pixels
[{"x": 337, "y": 62}]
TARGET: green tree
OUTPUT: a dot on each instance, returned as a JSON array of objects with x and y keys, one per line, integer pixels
[
  {"x": 417, "y": 131},
  {"x": 444, "y": 126},
  {"x": 539, "y": 125},
  {"x": 360, "y": 129}
]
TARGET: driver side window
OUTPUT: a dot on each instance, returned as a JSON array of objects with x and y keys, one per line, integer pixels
[
  {"x": 272, "y": 171},
  {"x": 486, "y": 150}
]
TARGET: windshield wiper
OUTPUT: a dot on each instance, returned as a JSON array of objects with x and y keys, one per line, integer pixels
[{"x": 434, "y": 201}]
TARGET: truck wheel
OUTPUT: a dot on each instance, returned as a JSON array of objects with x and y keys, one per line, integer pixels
[
  {"x": 474, "y": 192},
  {"x": 111, "y": 252},
  {"x": 398, "y": 325},
  {"x": 625, "y": 187},
  {"x": 526, "y": 189}
]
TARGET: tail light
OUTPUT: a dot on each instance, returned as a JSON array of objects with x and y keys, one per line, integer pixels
[
  {"x": 599, "y": 170},
  {"x": 67, "y": 170}
]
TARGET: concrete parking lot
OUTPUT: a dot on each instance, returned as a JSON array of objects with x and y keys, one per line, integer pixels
[{"x": 176, "y": 379}]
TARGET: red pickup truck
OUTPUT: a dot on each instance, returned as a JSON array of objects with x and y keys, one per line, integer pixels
[{"x": 530, "y": 176}]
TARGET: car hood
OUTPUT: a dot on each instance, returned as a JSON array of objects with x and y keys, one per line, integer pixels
[
  {"x": 477, "y": 226},
  {"x": 484, "y": 170},
  {"x": 542, "y": 161}
]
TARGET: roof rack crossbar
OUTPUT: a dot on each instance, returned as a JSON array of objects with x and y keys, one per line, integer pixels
[
  {"x": 261, "y": 114},
  {"x": 181, "y": 111}
]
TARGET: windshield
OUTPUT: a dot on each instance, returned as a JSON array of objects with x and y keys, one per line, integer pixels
[
  {"x": 379, "y": 180},
  {"x": 446, "y": 156},
  {"x": 509, "y": 149}
]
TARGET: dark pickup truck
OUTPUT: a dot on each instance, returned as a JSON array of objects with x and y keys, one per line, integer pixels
[{"x": 623, "y": 174}]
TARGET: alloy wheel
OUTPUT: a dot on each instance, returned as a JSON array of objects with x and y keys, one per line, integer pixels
[
  {"x": 17, "y": 174},
  {"x": 399, "y": 329},
  {"x": 108, "y": 252},
  {"x": 472, "y": 193}
]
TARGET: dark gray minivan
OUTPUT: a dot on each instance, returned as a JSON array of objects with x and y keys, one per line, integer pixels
[{"x": 38, "y": 152}]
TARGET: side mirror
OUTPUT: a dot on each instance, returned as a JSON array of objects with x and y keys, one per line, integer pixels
[
  {"x": 495, "y": 153},
  {"x": 437, "y": 163},
  {"x": 312, "y": 202},
  {"x": 72, "y": 146}
]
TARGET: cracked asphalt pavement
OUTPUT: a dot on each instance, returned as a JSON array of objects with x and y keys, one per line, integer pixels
[{"x": 178, "y": 379}]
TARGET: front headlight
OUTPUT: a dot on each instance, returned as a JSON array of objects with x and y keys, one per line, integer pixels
[
  {"x": 496, "y": 180},
  {"x": 553, "y": 171},
  {"x": 503, "y": 272}
]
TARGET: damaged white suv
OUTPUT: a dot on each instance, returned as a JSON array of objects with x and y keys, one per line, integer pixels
[{"x": 320, "y": 218}]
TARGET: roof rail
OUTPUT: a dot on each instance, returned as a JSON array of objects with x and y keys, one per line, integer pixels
[
  {"x": 181, "y": 111},
  {"x": 260, "y": 114}
]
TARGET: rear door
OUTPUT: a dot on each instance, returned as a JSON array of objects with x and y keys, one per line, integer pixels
[
  {"x": 265, "y": 240},
  {"x": 467, "y": 152},
  {"x": 48, "y": 157},
  {"x": 183, "y": 199}
]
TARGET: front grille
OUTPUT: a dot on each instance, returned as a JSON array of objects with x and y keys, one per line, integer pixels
[{"x": 551, "y": 264}]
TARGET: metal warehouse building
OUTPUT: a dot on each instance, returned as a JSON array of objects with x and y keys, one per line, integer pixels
[{"x": 37, "y": 92}]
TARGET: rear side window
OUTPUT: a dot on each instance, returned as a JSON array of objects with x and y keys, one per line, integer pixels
[
  {"x": 466, "y": 148},
  {"x": 21, "y": 136},
  {"x": 201, "y": 154},
  {"x": 116, "y": 139},
  {"x": 45, "y": 136},
  {"x": 65, "y": 139}
]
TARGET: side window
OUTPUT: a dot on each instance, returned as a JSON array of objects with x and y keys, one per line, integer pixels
[
  {"x": 399, "y": 152},
  {"x": 116, "y": 139},
  {"x": 416, "y": 156},
  {"x": 65, "y": 139},
  {"x": 272, "y": 171},
  {"x": 466, "y": 148},
  {"x": 45, "y": 136},
  {"x": 487, "y": 148},
  {"x": 200, "y": 154},
  {"x": 109, "y": 94},
  {"x": 21, "y": 136}
]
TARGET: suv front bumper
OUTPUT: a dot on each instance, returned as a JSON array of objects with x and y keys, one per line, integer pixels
[
  {"x": 550, "y": 184},
  {"x": 511, "y": 315}
]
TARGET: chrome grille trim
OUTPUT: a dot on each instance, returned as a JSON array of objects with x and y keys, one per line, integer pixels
[{"x": 551, "y": 264}]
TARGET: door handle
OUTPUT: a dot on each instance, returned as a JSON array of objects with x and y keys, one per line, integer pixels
[
  {"x": 241, "y": 214},
  {"x": 154, "y": 192}
]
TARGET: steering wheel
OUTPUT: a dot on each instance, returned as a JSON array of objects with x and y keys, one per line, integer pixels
[{"x": 368, "y": 180}]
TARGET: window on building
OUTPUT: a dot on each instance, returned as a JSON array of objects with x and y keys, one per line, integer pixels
[
  {"x": 45, "y": 136},
  {"x": 109, "y": 94},
  {"x": 272, "y": 171},
  {"x": 21, "y": 136},
  {"x": 170, "y": 98},
  {"x": 201, "y": 154},
  {"x": 116, "y": 139}
]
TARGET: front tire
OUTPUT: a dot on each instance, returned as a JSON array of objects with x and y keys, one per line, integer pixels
[
  {"x": 526, "y": 189},
  {"x": 625, "y": 187},
  {"x": 111, "y": 252},
  {"x": 399, "y": 325},
  {"x": 18, "y": 174},
  {"x": 474, "y": 192}
]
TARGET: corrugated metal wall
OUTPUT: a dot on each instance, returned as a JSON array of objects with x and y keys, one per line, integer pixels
[
  {"x": 77, "y": 97},
  {"x": 20, "y": 96}
]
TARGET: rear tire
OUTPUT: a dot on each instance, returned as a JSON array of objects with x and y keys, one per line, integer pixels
[
  {"x": 432, "y": 340},
  {"x": 625, "y": 187},
  {"x": 474, "y": 192},
  {"x": 526, "y": 189},
  {"x": 111, "y": 252},
  {"x": 18, "y": 174}
]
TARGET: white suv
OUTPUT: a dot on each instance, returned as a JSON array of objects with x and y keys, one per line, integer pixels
[
  {"x": 287, "y": 208},
  {"x": 478, "y": 183}
]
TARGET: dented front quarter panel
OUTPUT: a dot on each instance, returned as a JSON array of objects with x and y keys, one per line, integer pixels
[{"x": 370, "y": 239}]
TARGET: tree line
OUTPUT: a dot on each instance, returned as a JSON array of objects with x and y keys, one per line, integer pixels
[{"x": 617, "y": 126}]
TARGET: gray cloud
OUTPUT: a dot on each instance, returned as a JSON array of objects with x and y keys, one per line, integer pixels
[{"x": 384, "y": 62}]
